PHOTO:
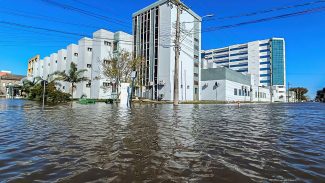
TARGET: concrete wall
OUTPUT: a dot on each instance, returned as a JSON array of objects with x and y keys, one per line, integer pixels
[
  {"x": 72, "y": 56},
  {"x": 101, "y": 52},
  {"x": 46, "y": 67},
  {"x": 85, "y": 63}
]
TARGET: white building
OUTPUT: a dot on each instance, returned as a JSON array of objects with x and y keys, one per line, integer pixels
[
  {"x": 85, "y": 63},
  {"x": 53, "y": 63},
  {"x": 72, "y": 56},
  {"x": 89, "y": 54},
  {"x": 105, "y": 43},
  {"x": 264, "y": 59},
  {"x": 62, "y": 59},
  {"x": 223, "y": 84},
  {"x": 154, "y": 35},
  {"x": 46, "y": 67}
]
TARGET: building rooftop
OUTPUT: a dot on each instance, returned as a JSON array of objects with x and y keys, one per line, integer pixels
[
  {"x": 8, "y": 76},
  {"x": 223, "y": 73},
  {"x": 161, "y": 2}
]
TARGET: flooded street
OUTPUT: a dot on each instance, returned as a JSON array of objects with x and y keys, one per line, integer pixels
[{"x": 162, "y": 143}]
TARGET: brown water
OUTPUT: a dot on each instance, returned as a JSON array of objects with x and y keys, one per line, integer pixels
[{"x": 160, "y": 143}]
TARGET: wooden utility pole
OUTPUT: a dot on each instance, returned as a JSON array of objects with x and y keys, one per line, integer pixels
[{"x": 177, "y": 52}]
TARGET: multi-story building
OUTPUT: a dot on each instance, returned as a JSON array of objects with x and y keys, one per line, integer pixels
[
  {"x": 31, "y": 65},
  {"x": 84, "y": 63},
  {"x": 89, "y": 55},
  {"x": 154, "y": 35},
  {"x": 264, "y": 60},
  {"x": 105, "y": 44}
]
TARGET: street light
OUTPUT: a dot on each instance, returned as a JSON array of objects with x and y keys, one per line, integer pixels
[{"x": 44, "y": 83}]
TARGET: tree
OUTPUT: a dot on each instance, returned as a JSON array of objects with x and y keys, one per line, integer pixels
[
  {"x": 300, "y": 93},
  {"x": 73, "y": 77},
  {"x": 28, "y": 85},
  {"x": 120, "y": 67}
]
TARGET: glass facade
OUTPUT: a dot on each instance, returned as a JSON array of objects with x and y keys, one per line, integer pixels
[{"x": 277, "y": 57}]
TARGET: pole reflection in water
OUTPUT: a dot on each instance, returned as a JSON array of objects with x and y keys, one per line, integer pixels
[{"x": 157, "y": 143}]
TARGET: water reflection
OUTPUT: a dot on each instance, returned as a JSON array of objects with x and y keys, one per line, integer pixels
[{"x": 161, "y": 143}]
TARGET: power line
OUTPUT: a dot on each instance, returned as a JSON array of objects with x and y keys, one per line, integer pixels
[
  {"x": 95, "y": 7},
  {"x": 309, "y": 11},
  {"x": 85, "y": 12},
  {"x": 270, "y": 10},
  {"x": 52, "y": 19}
]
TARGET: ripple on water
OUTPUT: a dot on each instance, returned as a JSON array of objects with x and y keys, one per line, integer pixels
[{"x": 162, "y": 143}]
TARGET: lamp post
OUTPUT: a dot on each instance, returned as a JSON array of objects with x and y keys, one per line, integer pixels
[{"x": 44, "y": 83}]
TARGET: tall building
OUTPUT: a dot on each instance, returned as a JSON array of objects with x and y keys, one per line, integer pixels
[
  {"x": 263, "y": 59},
  {"x": 154, "y": 35}
]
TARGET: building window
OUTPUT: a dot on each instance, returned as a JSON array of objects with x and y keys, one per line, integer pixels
[
  {"x": 63, "y": 87},
  {"x": 89, "y": 49},
  {"x": 196, "y": 75},
  {"x": 115, "y": 46},
  {"x": 195, "y": 91},
  {"x": 196, "y": 56},
  {"x": 88, "y": 85},
  {"x": 76, "y": 54},
  {"x": 106, "y": 84},
  {"x": 239, "y": 92},
  {"x": 88, "y": 65},
  {"x": 64, "y": 58},
  {"x": 106, "y": 43},
  {"x": 196, "y": 39},
  {"x": 235, "y": 91},
  {"x": 106, "y": 62},
  {"x": 56, "y": 61}
]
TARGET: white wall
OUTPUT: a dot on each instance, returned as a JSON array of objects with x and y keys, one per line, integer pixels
[
  {"x": 100, "y": 53},
  {"x": 85, "y": 60},
  {"x": 62, "y": 58},
  {"x": 166, "y": 55},
  {"x": 54, "y": 63},
  {"x": 72, "y": 56},
  {"x": 46, "y": 67}
]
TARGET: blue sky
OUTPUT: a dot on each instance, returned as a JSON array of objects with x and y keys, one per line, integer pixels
[{"x": 304, "y": 35}]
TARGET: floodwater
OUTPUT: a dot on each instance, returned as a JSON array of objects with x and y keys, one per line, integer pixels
[{"x": 162, "y": 143}]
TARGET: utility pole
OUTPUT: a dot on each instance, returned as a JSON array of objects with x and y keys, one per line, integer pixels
[{"x": 177, "y": 51}]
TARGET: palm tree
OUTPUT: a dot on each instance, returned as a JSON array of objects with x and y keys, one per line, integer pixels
[
  {"x": 74, "y": 76},
  {"x": 28, "y": 85}
]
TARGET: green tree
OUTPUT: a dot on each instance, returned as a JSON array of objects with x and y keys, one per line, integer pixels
[
  {"x": 73, "y": 77},
  {"x": 28, "y": 85},
  {"x": 120, "y": 67},
  {"x": 300, "y": 93}
]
